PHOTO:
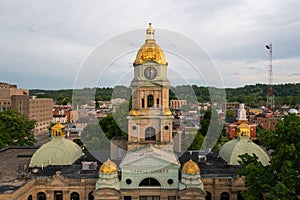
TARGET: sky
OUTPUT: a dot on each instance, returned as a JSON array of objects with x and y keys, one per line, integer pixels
[{"x": 65, "y": 44}]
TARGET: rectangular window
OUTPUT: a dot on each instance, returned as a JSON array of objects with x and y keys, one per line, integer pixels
[
  {"x": 127, "y": 197},
  {"x": 171, "y": 197},
  {"x": 157, "y": 103},
  {"x": 143, "y": 103}
]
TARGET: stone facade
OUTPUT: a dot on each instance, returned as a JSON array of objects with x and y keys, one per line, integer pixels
[
  {"x": 39, "y": 109},
  {"x": 6, "y": 92},
  {"x": 150, "y": 169}
]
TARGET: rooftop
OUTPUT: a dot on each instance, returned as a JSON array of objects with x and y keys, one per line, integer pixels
[
  {"x": 14, "y": 165},
  {"x": 213, "y": 166}
]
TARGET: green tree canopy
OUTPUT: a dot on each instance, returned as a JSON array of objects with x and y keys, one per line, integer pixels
[
  {"x": 230, "y": 113},
  {"x": 15, "y": 129},
  {"x": 197, "y": 141},
  {"x": 110, "y": 127},
  {"x": 213, "y": 125},
  {"x": 94, "y": 138},
  {"x": 280, "y": 179}
]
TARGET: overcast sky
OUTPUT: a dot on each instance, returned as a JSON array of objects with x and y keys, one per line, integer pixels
[{"x": 45, "y": 44}]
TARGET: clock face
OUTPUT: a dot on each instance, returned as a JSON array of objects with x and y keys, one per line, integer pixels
[{"x": 150, "y": 73}]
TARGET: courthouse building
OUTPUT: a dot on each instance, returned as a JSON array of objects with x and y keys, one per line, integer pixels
[{"x": 149, "y": 170}]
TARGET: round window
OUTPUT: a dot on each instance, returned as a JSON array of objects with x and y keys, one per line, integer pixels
[
  {"x": 128, "y": 181},
  {"x": 133, "y": 127},
  {"x": 166, "y": 128},
  {"x": 170, "y": 181}
]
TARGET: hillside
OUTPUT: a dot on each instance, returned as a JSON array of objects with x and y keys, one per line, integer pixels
[{"x": 253, "y": 95}]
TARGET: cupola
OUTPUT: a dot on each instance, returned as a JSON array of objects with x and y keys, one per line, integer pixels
[
  {"x": 108, "y": 167},
  {"x": 190, "y": 167},
  {"x": 150, "y": 50}
]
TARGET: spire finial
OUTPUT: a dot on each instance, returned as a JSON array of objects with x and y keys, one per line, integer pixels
[{"x": 150, "y": 33}]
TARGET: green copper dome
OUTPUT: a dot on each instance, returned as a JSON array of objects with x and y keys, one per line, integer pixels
[
  {"x": 232, "y": 149},
  {"x": 59, "y": 151}
]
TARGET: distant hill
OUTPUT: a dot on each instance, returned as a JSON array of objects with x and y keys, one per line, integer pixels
[{"x": 253, "y": 95}]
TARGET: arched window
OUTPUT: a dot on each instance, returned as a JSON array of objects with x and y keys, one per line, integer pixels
[
  {"x": 225, "y": 196},
  {"x": 149, "y": 182},
  {"x": 208, "y": 196},
  {"x": 91, "y": 196},
  {"x": 150, "y": 101},
  {"x": 29, "y": 197},
  {"x": 58, "y": 195},
  {"x": 150, "y": 134},
  {"x": 41, "y": 196},
  {"x": 75, "y": 196}
]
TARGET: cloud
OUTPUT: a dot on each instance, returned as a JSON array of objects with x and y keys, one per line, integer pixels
[
  {"x": 240, "y": 72},
  {"x": 51, "y": 39},
  {"x": 294, "y": 74}
]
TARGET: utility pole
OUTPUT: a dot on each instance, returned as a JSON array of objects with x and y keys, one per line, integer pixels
[{"x": 270, "y": 95}]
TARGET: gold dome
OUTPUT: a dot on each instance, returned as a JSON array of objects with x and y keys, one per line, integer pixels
[
  {"x": 243, "y": 130},
  {"x": 168, "y": 112},
  {"x": 150, "y": 50},
  {"x": 190, "y": 167},
  {"x": 109, "y": 167},
  {"x": 58, "y": 130},
  {"x": 133, "y": 113}
]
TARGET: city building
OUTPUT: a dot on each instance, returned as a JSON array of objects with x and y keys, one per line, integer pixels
[
  {"x": 176, "y": 104},
  {"x": 149, "y": 170},
  {"x": 267, "y": 123},
  {"x": 243, "y": 144},
  {"x": 38, "y": 109},
  {"x": 6, "y": 92},
  {"x": 233, "y": 128},
  {"x": 62, "y": 114}
]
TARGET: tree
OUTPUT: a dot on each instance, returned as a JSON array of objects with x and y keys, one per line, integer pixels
[
  {"x": 110, "y": 127},
  {"x": 205, "y": 122},
  {"x": 197, "y": 141},
  {"x": 97, "y": 105},
  {"x": 212, "y": 124},
  {"x": 230, "y": 113},
  {"x": 280, "y": 179},
  {"x": 94, "y": 138},
  {"x": 15, "y": 129},
  {"x": 120, "y": 115}
]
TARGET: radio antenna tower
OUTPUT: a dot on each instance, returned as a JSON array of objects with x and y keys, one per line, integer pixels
[{"x": 270, "y": 95}]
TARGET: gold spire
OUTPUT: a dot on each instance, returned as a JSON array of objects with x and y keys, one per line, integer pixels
[
  {"x": 190, "y": 167},
  {"x": 109, "y": 167},
  {"x": 243, "y": 130},
  {"x": 168, "y": 112},
  {"x": 150, "y": 50},
  {"x": 133, "y": 113},
  {"x": 58, "y": 130}
]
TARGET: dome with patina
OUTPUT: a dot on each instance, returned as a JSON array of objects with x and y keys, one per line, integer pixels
[
  {"x": 231, "y": 151},
  {"x": 59, "y": 151}
]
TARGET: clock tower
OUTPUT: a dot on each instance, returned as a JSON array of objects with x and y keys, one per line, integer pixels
[{"x": 150, "y": 120}]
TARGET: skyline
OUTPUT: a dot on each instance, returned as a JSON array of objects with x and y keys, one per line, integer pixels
[{"x": 44, "y": 45}]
